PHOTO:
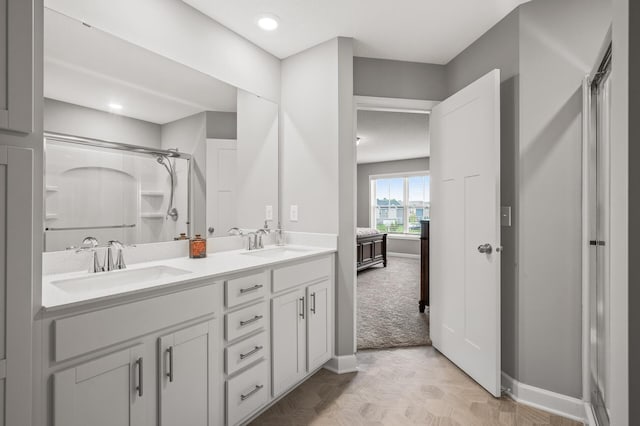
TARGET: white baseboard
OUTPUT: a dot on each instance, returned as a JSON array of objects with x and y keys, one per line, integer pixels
[
  {"x": 407, "y": 255},
  {"x": 342, "y": 364},
  {"x": 562, "y": 405}
]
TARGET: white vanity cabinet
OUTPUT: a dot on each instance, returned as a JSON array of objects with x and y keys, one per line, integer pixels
[
  {"x": 302, "y": 324},
  {"x": 150, "y": 361},
  {"x": 187, "y": 368},
  {"x": 107, "y": 391},
  {"x": 289, "y": 339}
]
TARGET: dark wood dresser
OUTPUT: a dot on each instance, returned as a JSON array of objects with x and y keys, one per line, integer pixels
[{"x": 424, "y": 264}]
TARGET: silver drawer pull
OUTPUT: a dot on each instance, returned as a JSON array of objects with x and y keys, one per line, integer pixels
[
  {"x": 252, "y": 320},
  {"x": 253, "y": 351},
  {"x": 247, "y": 395},
  {"x": 250, "y": 289}
]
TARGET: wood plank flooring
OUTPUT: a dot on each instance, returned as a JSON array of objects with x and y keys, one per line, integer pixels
[{"x": 405, "y": 386}]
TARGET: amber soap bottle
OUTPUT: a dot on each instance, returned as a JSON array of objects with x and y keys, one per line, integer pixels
[{"x": 197, "y": 247}]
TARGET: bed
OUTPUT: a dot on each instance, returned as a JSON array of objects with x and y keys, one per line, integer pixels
[{"x": 371, "y": 248}]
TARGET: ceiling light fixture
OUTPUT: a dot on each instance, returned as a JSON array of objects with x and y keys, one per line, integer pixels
[
  {"x": 268, "y": 22},
  {"x": 116, "y": 107}
]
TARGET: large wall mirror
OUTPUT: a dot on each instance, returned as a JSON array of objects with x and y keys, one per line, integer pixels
[{"x": 139, "y": 148}]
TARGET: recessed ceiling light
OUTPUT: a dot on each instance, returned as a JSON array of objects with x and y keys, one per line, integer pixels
[
  {"x": 268, "y": 22},
  {"x": 114, "y": 106}
]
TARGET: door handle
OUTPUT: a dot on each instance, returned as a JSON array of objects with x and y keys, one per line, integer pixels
[
  {"x": 254, "y": 390},
  {"x": 139, "y": 388},
  {"x": 252, "y": 320},
  {"x": 255, "y": 350},
  {"x": 485, "y": 248},
  {"x": 170, "y": 373},
  {"x": 249, "y": 289}
]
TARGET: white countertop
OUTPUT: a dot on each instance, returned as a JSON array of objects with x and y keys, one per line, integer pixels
[{"x": 213, "y": 266}]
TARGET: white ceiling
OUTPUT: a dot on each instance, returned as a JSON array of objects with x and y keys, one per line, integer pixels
[
  {"x": 432, "y": 31},
  {"x": 87, "y": 67},
  {"x": 387, "y": 136}
]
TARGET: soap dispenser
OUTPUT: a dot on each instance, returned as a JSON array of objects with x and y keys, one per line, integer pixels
[{"x": 279, "y": 236}]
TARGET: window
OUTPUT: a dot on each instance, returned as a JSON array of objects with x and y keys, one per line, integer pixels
[{"x": 399, "y": 202}]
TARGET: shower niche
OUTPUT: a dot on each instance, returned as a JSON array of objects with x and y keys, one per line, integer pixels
[{"x": 113, "y": 191}]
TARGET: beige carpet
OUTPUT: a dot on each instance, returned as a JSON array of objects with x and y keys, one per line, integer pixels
[{"x": 388, "y": 314}]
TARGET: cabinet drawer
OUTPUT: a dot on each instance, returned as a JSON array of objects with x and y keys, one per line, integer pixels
[
  {"x": 90, "y": 331},
  {"x": 294, "y": 275},
  {"x": 243, "y": 353},
  {"x": 247, "y": 393},
  {"x": 245, "y": 321},
  {"x": 246, "y": 289}
]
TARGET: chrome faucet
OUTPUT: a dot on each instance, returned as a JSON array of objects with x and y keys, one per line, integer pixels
[
  {"x": 254, "y": 239},
  {"x": 91, "y": 244},
  {"x": 119, "y": 262},
  {"x": 259, "y": 234}
]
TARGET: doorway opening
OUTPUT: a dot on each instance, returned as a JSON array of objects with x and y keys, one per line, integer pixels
[{"x": 393, "y": 200}]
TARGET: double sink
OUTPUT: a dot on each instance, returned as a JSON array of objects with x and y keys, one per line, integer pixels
[{"x": 112, "y": 280}]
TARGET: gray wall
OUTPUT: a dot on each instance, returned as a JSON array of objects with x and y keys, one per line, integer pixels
[
  {"x": 222, "y": 125},
  {"x": 634, "y": 211},
  {"x": 541, "y": 179},
  {"x": 397, "y": 79},
  {"x": 317, "y": 154},
  {"x": 71, "y": 119},
  {"x": 364, "y": 194}
]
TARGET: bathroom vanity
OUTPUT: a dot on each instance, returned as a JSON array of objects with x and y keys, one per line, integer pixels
[{"x": 184, "y": 341}]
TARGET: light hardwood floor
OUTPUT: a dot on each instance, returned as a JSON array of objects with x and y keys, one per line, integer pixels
[{"x": 401, "y": 387}]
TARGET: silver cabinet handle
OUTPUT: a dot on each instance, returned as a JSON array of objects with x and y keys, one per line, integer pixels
[
  {"x": 302, "y": 310},
  {"x": 249, "y": 289},
  {"x": 253, "y": 351},
  {"x": 252, "y": 320},
  {"x": 170, "y": 372},
  {"x": 485, "y": 248},
  {"x": 313, "y": 305},
  {"x": 247, "y": 395},
  {"x": 139, "y": 365}
]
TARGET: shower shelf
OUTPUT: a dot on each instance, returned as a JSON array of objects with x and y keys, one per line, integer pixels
[
  {"x": 152, "y": 215},
  {"x": 51, "y": 188},
  {"x": 152, "y": 193}
]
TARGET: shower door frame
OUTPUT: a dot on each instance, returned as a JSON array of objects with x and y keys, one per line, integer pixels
[
  {"x": 119, "y": 146},
  {"x": 600, "y": 73}
]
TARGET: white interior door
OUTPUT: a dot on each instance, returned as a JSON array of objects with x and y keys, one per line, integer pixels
[
  {"x": 465, "y": 230},
  {"x": 222, "y": 162}
]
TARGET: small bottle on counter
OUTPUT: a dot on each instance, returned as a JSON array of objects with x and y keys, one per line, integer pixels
[
  {"x": 197, "y": 247},
  {"x": 279, "y": 236},
  {"x": 182, "y": 236}
]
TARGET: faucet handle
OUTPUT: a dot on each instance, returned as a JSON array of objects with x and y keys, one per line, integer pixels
[
  {"x": 119, "y": 262},
  {"x": 90, "y": 242},
  {"x": 96, "y": 266}
]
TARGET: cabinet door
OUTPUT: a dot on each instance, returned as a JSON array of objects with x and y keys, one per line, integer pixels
[
  {"x": 186, "y": 373},
  {"x": 105, "y": 392},
  {"x": 16, "y": 65},
  {"x": 319, "y": 325},
  {"x": 288, "y": 313}
]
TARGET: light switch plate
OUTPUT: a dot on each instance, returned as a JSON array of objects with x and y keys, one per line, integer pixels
[
  {"x": 268, "y": 213},
  {"x": 293, "y": 213}
]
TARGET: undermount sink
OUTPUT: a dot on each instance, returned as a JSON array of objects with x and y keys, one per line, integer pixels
[
  {"x": 115, "y": 279},
  {"x": 276, "y": 253}
]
